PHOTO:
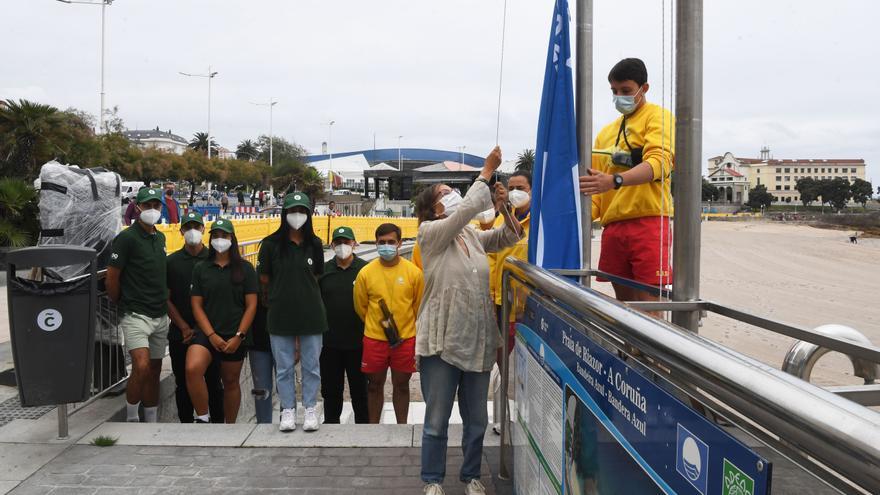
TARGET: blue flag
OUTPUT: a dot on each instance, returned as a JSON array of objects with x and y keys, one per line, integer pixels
[{"x": 555, "y": 234}]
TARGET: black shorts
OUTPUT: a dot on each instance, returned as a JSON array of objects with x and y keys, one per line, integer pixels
[{"x": 199, "y": 338}]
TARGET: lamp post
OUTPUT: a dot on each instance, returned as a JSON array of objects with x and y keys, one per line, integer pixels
[
  {"x": 399, "y": 159},
  {"x": 271, "y": 104},
  {"x": 330, "y": 149},
  {"x": 210, "y": 75},
  {"x": 461, "y": 150},
  {"x": 103, "y": 4}
]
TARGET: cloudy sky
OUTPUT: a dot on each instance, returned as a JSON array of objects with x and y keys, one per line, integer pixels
[{"x": 797, "y": 75}]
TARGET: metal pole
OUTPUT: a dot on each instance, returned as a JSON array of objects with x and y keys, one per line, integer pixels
[
  {"x": 330, "y": 149},
  {"x": 505, "y": 457},
  {"x": 103, "y": 15},
  {"x": 584, "y": 116},
  {"x": 62, "y": 422},
  {"x": 688, "y": 146},
  {"x": 399, "y": 162},
  {"x": 209, "y": 111},
  {"x": 271, "y": 138}
]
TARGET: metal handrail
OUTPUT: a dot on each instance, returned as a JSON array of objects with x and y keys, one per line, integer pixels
[{"x": 837, "y": 438}]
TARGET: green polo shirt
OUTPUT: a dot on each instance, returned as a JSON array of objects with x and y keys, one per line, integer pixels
[
  {"x": 295, "y": 305},
  {"x": 140, "y": 256},
  {"x": 223, "y": 300},
  {"x": 337, "y": 289},
  {"x": 180, "y": 271}
]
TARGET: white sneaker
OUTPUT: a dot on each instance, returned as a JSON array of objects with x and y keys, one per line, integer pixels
[
  {"x": 433, "y": 489},
  {"x": 474, "y": 487},
  {"x": 288, "y": 420},
  {"x": 310, "y": 420}
]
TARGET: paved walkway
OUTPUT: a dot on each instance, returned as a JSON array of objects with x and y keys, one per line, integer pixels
[{"x": 84, "y": 469}]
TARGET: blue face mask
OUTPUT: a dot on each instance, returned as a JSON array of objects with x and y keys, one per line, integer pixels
[
  {"x": 387, "y": 252},
  {"x": 626, "y": 104}
]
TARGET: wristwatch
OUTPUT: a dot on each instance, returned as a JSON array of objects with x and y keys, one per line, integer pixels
[
  {"x": 240, "y": 335},
  {"x": 618, "y": 181},
  {"x": 482, "y": 179}
]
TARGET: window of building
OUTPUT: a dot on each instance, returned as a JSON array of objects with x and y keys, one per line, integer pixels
[
  {"x": 778, "y": 178},
  {"x": 778, "y": 187},
  {"x": 852, "y": 170},
  {"x": 787, "y": 178},
  {"x": 758, "y": 170},
  {"x": 852, "y": 179},
  {"x": 787, "y": 188},
  {"x": 823, "y": 170},
  {"x": 787, "y": 170},
  {"x": 778, "y": 170},
  {"x": 797, "y": 198}
]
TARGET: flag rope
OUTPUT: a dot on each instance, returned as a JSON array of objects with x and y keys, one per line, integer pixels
[{"x": 500, "y": 74}]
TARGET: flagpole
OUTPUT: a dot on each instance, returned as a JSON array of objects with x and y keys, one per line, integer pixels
[{"x": 584, "y": 116}]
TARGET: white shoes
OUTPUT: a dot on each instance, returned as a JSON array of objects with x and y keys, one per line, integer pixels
[
  {"x": 288, "y": 420},
  {"x": 433, "y": 489},
  {"x": 474, "y": 487},
  {"x": 310, "y": 421}
]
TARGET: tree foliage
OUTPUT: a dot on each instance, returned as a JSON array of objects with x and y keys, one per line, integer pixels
[
  {"x": 525, "y": 161},
  {"x": 808, "y": 188},
  {"x": 710, "y": 192},
  {"x": 759, "y": 197},
  {"x": 199, "y": 142},
  {"x": 247, "y": 150},
  {"x": 18, "y": 213},
  {"x": 835, "y": 192},
  {"x": 861, "y": 190}
]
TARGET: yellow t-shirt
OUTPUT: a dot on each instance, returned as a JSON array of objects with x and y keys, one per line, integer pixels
[
  {"x": 651, "y": 128},
  {"x": 401, "y": 287},
  {"x": 520, "y": 250}
]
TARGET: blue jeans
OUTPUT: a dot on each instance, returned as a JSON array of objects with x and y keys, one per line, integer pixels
[
  {"x": 283, "y": 350},
  {"x": 261, "y": 372},
  {"x": 440, "y": 381}
]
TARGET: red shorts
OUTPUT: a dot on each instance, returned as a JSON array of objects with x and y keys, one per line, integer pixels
[
  {"x": 632, "y": 249},
  {"x": 378, "y": 356}
]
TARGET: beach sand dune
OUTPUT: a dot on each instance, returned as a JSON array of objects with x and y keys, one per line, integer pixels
[{"x": 792, "y": 273}]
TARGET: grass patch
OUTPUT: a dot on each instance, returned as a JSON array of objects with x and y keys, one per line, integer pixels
[{"x": 104, "y": 441}]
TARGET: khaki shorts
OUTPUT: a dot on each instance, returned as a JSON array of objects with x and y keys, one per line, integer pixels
[{"x": 142, "y": 331}]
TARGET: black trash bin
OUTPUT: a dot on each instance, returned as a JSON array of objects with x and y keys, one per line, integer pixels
[{"x": 52, "y": 326}]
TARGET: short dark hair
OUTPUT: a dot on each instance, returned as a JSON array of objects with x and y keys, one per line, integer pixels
[
  {"x": 388, "y": 228},
  {"x": 629, "y": 69},
  {"x": 522, "y": 173}
]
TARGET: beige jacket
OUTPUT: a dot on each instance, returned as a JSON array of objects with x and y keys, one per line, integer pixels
[{"x": 457, "y": 317}]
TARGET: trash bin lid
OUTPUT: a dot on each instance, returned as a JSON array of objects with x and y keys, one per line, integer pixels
[{"x": 54, "y": 255}]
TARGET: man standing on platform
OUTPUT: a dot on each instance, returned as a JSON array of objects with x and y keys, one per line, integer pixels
[
  {"x": 136, "y": 279},
  {"x": 630, "y": 185},
  {"x": 387, "y": 295},
  {"x": 343, "y": 343}
]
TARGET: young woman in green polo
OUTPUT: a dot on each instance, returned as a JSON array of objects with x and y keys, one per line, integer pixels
[
  {"x": 224, "y": 301},
  {"x": 289, "y": 263}
]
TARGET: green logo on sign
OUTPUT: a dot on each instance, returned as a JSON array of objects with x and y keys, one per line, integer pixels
[{"x": 735, "y": 481}]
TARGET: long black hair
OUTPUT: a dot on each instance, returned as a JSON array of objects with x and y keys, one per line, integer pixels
[
  {"x": 282, "y": 236},
  {"x": 236, "y": 262}
]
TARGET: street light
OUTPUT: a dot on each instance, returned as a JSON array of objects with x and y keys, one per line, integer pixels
[
  {"x": 210, "y": 75},
  {"x": 103, "y": 4},
  {"x": 399, "y": 162},
  {"x": 461, "y": 149},
  {"x": 271, "y": 104},
  {"x": 330, "y": 149}
]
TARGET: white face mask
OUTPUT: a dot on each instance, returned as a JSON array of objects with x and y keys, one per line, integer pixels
[
  {"x": 151, "y": 216},
  {"x": 221, "y": 245},
  {"x": 487, "y": 216},
  {"x": 450, "y": 202},
  {"x": 193, "y": 237},
  {"x": 296, "y": 220},
  {"x": 343, "y": 251},
  {"x": 518, "y": 198}
]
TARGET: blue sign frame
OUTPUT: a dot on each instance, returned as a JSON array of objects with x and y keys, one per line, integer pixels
[{"x": 623, "y": 430}]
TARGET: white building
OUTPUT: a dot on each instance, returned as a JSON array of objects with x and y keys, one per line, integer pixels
[
  {"x": 154, "y": 138},
  {"x": 735, "y": 176},
  {"x": 350, "y": 168}
]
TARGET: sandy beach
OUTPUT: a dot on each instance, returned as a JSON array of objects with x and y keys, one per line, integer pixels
[{"x": 792, "y": 273}]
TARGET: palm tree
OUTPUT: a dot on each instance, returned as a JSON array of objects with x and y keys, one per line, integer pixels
[
  {"x": 199, "y": 142},
  {"x": 30, "y": 134},
  {"x": 247, "y": 150},
  {"x": 525, "y": 161},
  {"x": 18, "y": 213}
]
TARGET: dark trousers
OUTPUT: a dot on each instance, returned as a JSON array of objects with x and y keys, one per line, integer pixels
[
  {"x": 177, "y": 351},
  {"x": 335, "y": 364}
]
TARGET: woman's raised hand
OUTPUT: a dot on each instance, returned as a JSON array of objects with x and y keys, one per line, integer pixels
[{"x": 493, "y": 161}]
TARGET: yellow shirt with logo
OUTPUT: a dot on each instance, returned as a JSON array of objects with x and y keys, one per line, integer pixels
[
  {"x": 401, "y": 287},
  {"x": 651, "y": 128},
  {"x": 520, "y": 250}
]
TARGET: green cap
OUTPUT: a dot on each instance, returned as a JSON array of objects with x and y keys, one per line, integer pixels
[
  {"x": 148, "y": 193},
  {"x": 344, "y": 233},
  {"x": 192, "y": 216},
  {"x": 296, "y": 199},
  {"x": 224, "y": 225}
]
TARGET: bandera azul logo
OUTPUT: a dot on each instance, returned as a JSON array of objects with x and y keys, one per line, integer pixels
[{"x": 692, "y": 459}]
